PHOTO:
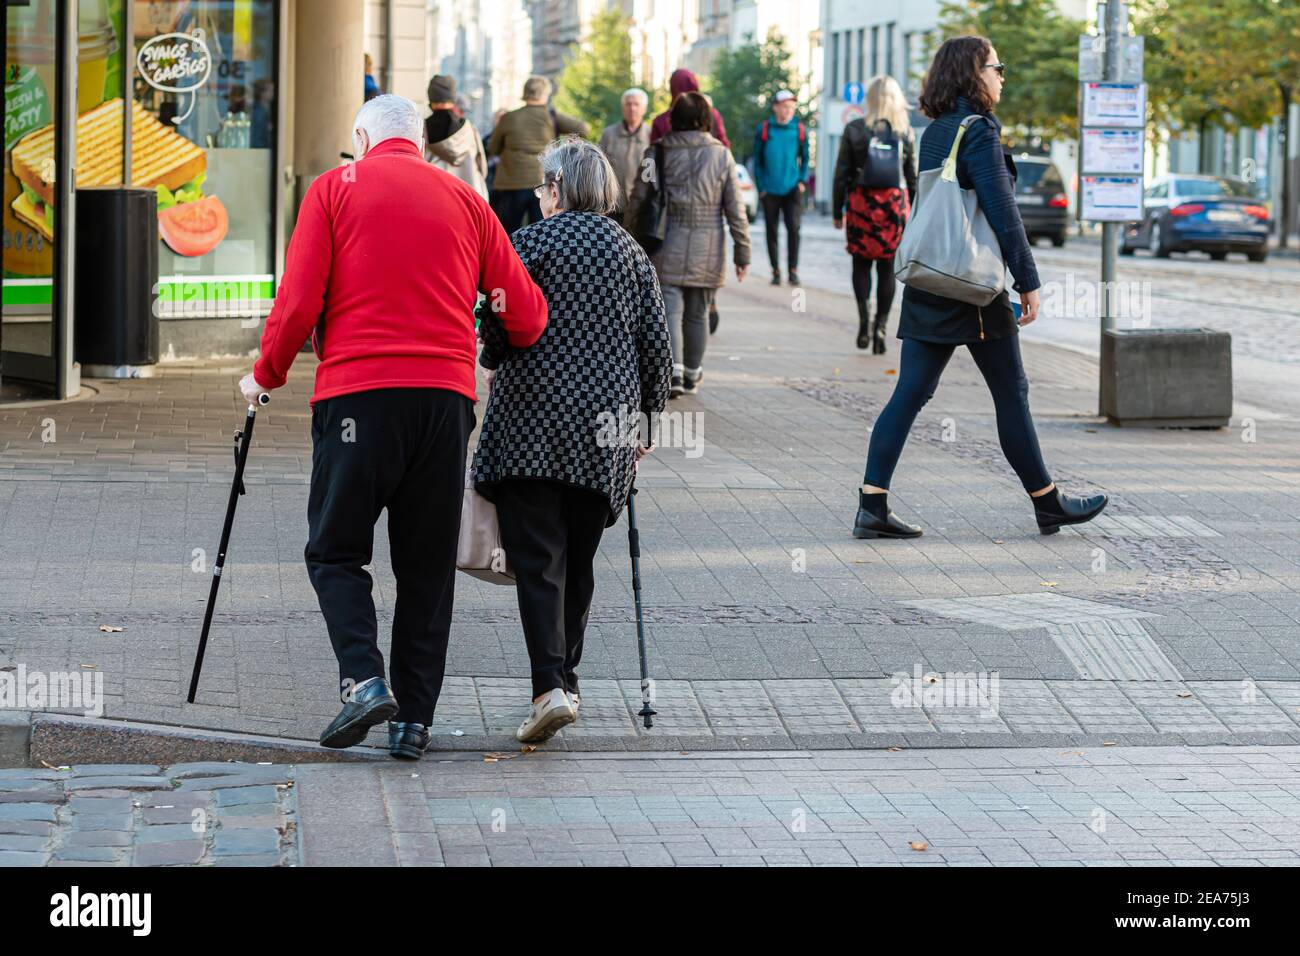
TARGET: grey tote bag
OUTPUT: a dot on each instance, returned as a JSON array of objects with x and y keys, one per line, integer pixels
[{"x": 948, "y": 247}]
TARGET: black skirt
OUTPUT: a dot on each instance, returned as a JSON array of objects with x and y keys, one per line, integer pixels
[{"x": 935, "y": 318}]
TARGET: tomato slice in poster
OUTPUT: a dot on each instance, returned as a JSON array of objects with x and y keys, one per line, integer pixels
[{"x": 194, "y": 228}]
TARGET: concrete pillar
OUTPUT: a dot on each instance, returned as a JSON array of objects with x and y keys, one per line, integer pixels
[{"x": 327, "y": 83}]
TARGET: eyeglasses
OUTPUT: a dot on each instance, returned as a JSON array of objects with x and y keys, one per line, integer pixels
[
  {"x": 999, "y": 68},
  {"x": 539, "y": 191}
]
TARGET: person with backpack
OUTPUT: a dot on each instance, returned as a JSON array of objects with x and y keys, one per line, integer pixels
[
  {"x": 519, "y": 138},
  {"x": 959, "y": 93},
  {"x": 781, "y": 175},
  {"x": 877, "y": 159}
]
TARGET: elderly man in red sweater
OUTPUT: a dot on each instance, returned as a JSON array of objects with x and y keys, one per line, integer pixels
[{"x": 383, "y": 271}]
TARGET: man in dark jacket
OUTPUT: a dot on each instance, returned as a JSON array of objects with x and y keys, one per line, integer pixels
[{"x": 387, "y": 259}]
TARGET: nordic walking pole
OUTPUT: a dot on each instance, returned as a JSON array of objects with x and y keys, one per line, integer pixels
[
  {"x": 634, "y": 546},
  {"x": 242, "y": 440}
]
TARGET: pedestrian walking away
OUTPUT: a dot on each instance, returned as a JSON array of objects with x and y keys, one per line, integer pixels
[
  {"x": 684, "y": 81},
  {"x": 624, "y": 143},
  {"x": 393, "y": 404},
  {"x": 698, "y": 177},
  {"x": 450, "y": 140},
  {"x": 518, "y": 138},
  {"x": 965, "y": 79},
  {"x": 875, "y": 178},
  {"x": 567, "y": 419},
  {"x": 781, "y": 176}
]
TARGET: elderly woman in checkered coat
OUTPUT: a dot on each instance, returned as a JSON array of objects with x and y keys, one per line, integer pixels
[{"x": 568, "y": 418}]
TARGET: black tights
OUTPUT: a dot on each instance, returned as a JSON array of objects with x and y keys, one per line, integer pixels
[
  {"x": 919, "y": 371},
  {"x": 862, "y": 282}
]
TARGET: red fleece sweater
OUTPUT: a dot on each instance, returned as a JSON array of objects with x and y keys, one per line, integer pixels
[{"x": 392, "y": 251}]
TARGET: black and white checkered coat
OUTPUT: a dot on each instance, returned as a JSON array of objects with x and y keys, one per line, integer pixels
[{"x": 568, "y": 408}]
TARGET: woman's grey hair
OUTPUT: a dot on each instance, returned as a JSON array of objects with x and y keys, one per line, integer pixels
[
  {"x": 537, "y": 88},
  {"x": 389, "y": 116},
  {"x": 582, "y": 175}
]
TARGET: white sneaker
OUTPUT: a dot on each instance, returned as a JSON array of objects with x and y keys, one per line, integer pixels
[
  {"x": 547, "y": 716},
  {"x": 575, "y": 701}
]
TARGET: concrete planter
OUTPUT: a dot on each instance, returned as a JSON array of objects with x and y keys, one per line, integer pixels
[{"x": 1166, "y": 378}]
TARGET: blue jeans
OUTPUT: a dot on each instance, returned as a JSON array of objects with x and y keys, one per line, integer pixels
[{"x": 920, "y": 368}]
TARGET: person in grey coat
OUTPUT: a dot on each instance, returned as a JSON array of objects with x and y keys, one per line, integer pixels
[
  {"x": 699, "y": 180},
  {"x": 568, "y": 418},
  {"x": 625, "y": 143}
]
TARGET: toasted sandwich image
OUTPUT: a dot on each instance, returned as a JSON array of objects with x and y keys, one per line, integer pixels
[{"x": 160, "y": 156}]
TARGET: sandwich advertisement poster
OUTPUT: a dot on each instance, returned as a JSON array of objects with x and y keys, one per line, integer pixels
[{"x": 202, "y": 87}]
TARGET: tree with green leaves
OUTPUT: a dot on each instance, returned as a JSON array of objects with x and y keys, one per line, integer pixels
[
  {"x": 1040, "y": 45},
  {"x": 597, "y": 73},
  {"x": 744, "y": 80}
]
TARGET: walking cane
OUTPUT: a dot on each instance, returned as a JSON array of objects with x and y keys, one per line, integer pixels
[
  {"x": 634, "y": 546},
  {"x": 242, "y": 440}
]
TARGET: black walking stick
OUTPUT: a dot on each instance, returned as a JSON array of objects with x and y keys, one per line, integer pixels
[
  {"x": 634, "y": 546},
  {"x": 242, "y": 440}
]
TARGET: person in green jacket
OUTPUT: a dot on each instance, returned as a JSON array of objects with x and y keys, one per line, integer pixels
[{"x": 519, "y": 138}]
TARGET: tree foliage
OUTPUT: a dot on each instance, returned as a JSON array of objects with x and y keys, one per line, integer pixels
[
  {"x": 597, "y": 72},
  {"x": 743, "y": 82}
]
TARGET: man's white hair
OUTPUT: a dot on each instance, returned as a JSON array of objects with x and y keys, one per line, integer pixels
[
  {"x": 636, "y": 93},
  {"x": 390, "y": 116}
]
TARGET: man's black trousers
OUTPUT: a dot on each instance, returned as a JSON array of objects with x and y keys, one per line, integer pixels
[{"x": 402, "y": 449}]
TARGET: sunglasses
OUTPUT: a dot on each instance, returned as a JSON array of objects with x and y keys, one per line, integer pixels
[{"x": 999, "y": 68}]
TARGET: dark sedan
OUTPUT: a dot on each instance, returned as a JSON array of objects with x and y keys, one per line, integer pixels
[
  {"x": 1041, "y": 198},
  {"x": 1214, "y": 214}
]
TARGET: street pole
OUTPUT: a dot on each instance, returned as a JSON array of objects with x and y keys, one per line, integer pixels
[{"x": 1110, "y": 230}]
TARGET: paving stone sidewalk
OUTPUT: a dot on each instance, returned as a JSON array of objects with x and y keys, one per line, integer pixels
[
  {"x": 1103, "y": 807},
  {"x": 1176, "y": 616},
  {"x": 217, "y": 814}
]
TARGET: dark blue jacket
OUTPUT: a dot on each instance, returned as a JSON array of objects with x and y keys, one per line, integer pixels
[{"x": 984, "y": 166}]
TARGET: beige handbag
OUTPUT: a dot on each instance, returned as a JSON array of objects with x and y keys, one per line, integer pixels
[{"x": 478, "y": 550}]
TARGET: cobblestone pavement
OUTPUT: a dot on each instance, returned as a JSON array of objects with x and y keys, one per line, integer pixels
[
  {"x": 995, "y": 807},
  {"x": 1177, "y": 616},
  {"x": 1253, "y": 301},
  {"x": 218, "y": 814}
]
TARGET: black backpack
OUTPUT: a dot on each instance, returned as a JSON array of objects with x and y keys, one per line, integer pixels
[{"x": 883, "y": 166}]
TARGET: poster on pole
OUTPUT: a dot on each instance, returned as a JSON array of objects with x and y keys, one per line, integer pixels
[
  {"x": 1115, "y": 104},
  {"x": 1112, "y": 151},
  {"x": 1111, "y": 198}
]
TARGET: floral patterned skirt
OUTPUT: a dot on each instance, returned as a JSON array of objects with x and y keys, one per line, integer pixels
[{"x": 873, "y": 226}]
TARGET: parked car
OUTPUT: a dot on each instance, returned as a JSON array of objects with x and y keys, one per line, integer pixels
[
  {"x": 1214, "y": 214},
  {"x": 1041, "y": 197},
  {"x": 748, "y": 194}
]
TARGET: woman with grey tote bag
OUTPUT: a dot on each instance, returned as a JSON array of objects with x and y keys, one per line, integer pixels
[{"x": 960, "y": 91}]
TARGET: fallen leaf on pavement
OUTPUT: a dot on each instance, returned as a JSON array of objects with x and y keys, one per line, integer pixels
[
  {"x": 111, "y": 628},
  {"x": 1049, "y": 584},
  {"x": 1108, "y": 743},
  {"x": 1183, "y": 693},
  {"x": 918, "y": 845},
  {"x": 894, "y": 750},
  {"x": 891, "y": 371},
  {"x": 527, "y": 748}
]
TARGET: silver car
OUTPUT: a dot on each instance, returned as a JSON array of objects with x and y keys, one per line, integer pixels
[{"x": 748, "y": 194}]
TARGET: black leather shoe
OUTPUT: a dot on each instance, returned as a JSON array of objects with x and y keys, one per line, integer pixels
[
  {"x": 372, "y": 704},
  {"x": 875, "y": 520},
  {"x": 406, "y": 740},
  {"x": 1054, "y": 510}
]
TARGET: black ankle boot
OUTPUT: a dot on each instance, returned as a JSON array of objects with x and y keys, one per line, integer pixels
[
  {"x": 865, "y": 332},
  {"x": 878, "y": 334},
  {"x": 875, "y": 520},
  {"x": 1055, "y": 510}
]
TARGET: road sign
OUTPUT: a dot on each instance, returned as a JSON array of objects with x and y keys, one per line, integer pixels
[
  {"x": 851, "y": 113},
  {"x": 1115, "y": 104},
  {"x": 1092, "y": 58},
  {"x": 1112, "y": 151},
  {"x": 1111, "y": 198},
  {"x": 854, "y": 93}
]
